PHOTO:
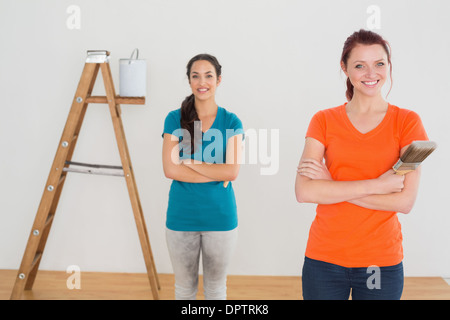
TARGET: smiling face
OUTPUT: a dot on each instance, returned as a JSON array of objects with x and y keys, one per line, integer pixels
[
  {"x": 203, "y": 80},
  {"x": 367, "y": 69}
]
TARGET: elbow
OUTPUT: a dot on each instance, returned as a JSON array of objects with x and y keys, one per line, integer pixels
[
  {"x": 169, "y": 172},
  {"x": 301, "y": 193},
  {"x": 406, "y": 208},
  {"x": 302, "y": 196},
  {"x": 232, "y": 176},
  {"x": 299, "y": 199},
  {"x": 407, "y": 202},
  {"x": 233, "y": 173}
]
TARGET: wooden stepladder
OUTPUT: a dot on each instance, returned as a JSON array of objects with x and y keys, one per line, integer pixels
[{"x": 95, "y": 60}]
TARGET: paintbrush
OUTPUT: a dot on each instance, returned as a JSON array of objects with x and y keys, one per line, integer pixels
[{"x": 416, "y": 153}]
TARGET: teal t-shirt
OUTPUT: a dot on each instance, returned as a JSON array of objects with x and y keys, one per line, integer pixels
[{"x": 203, "y": 206}]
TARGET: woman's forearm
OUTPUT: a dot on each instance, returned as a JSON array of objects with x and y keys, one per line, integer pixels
[
  {"x": 388, "y": 192},
  {"x": 398, "y": 202},
  {"x": 313, "y": 183},
  {"x": 214, "y": 171},
  {"x": 329, "y": 191},
  {"x": 221, "y": 171},
  {"x": 182, "y": 173}
]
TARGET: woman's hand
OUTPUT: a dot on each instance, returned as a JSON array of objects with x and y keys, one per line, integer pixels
[
  {"x": 390, "y": 182},
  {"x": 172, "y": 165},
  {"x": 313, "y": 169}
]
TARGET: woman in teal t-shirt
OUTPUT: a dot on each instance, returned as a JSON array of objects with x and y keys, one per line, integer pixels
[{"x": 201, "y": 153}]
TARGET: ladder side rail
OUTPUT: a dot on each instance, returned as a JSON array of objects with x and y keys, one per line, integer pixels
[
  {"x": 130, "y": 180},
  {"x": 49, "y": 201}
]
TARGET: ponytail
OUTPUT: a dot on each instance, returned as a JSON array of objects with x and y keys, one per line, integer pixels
[
  {"x": 188, "y": 117},
  {"x": 349, "y": 92}
]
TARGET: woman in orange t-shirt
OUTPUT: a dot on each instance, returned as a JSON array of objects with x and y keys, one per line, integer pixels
[{"x": 355, "y": 240}]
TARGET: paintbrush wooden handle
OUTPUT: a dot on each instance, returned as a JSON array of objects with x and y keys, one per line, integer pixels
[
  {"x": 402, "y": 172},
  {"x": 403, "y": 168},
  {"x": 225, "y": 184}
]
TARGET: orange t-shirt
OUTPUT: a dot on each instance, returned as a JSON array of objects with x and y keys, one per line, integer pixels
[{"x": 343, "y": 233}]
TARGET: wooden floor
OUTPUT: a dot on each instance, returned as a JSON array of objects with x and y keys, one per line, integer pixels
[{"x": 51, "y": 285}]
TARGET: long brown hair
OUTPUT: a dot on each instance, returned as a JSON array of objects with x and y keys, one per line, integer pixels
[
  {"x": 364, "y": 37},
  {"x": 188, "y": 112}
]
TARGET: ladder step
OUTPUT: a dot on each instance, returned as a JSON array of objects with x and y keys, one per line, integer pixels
[
  {"x": 100, "y": 169},
  {"x": 117, "y": 99},
  {"x": 106, "y": 166}
]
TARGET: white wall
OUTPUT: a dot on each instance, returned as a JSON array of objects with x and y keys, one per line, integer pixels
[{"x": 280, "y": 63}]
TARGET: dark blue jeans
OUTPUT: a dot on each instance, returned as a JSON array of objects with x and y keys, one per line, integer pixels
[{"x": 327, "y": 281}]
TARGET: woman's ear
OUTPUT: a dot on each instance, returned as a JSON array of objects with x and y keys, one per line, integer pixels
[
  {"x": 344, "y": 68},
  {"x": 219, "y": 79}
]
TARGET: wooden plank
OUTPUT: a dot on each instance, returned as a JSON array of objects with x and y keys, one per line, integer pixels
[
  {"x": 118, "y": 100},
  {"x": 51, "y": 285}
]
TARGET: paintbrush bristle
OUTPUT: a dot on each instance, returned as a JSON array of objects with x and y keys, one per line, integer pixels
[{"x": 418, "y": 151}]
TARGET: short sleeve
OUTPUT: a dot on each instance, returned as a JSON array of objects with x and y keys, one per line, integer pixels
[
  {"x": 172, "y": 124},
  {"x": 234, "y": 126},
  {"x": 317, "y": 127},
  {"x": 412, "y": 129}
]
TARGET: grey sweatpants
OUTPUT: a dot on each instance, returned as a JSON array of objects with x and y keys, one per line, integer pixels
[{"x": 216, "y": 248}]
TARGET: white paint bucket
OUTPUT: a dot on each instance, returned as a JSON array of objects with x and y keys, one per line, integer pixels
[{"x": 132, "y": 76}]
